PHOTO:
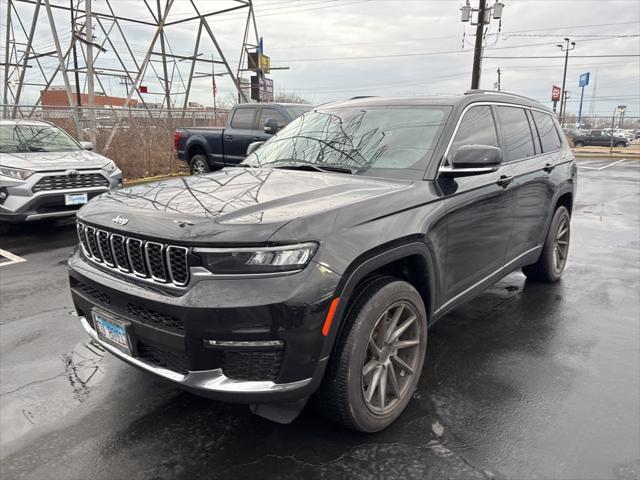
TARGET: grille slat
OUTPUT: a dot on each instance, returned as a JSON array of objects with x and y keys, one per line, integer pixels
[
  {"x": 167, "y": 264},
  {"x": 252, "y": 365},
  {"x": 65, "y": 182},
  {"x": 162, "y": 358}
]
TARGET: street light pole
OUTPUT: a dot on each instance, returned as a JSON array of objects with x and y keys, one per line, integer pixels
[{"x": 565, "y": 48}]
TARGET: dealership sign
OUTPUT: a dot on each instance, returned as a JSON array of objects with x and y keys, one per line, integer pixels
[
  {"x": 555, "y": 93},
  {"x": 584, "y": 80}
]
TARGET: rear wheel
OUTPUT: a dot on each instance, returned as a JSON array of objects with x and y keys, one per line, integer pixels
[
  {"x": 578, "y": 144},
  {"x": 553, "y": 258},
  {"x": 378, "y": 357},
  {"x": 621, "y": 144},
  {"x": 199, "y": 165}
]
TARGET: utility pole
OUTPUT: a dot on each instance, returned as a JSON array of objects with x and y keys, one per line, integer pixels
[
  {"x": 498, "y": 83},
  {"x": 565, "y": 48},
  {"x": 75, "y": 53},
  {"x": 485, "y": 14},
  {"x": 477, "y": 51},
  {"x": 90, "y": 76}
]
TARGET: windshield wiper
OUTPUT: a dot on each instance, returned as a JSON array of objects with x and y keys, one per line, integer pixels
[{"x": 315, "y": 168}]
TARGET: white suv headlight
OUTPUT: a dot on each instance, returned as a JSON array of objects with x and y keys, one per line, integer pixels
[
  {"x": 17, "y": 173},
  {"x": 109, "y": 167}
]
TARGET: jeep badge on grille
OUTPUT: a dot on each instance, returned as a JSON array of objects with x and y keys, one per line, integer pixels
[{"x": 120, "y": 220}]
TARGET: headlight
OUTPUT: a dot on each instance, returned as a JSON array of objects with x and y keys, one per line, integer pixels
[
  {"x": 230, "y": 261},
  {"x": 16, "y": 173},
  {"x": 109, "y": 167}
]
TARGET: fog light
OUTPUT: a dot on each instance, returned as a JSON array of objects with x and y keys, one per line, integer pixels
[
  {"x": 4, "y": 194},
  {"x": 120, "y": 184}
]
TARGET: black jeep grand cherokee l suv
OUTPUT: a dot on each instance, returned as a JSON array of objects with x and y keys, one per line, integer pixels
[{"x": 318, "y": 263}]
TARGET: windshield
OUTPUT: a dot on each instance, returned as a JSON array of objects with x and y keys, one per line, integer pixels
[
  {"x": 296, "y": 111},
  {"x": 394, "y": 141},
  {"x": 35, "y": 138}
]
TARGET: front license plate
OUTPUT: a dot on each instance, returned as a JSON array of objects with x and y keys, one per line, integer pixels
[
  {"x": 75, "y": 198},
  {"x": 112, "y": 331}
]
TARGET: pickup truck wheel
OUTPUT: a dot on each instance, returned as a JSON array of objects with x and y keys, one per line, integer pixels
[
  {"x": 199, "y": 165},
  {"x": 578, "y": 144},
  {"x": 378, "y": 358},
  {"x": 621, "y": 144},
  {"x": 553, "y": 258}
]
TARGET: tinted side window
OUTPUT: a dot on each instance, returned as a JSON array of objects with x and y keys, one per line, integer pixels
[
  {"x": 243, "y": 118},
  {"x": 595, "y": 133},
  {"x": 476, "y": 128},
  {"x": 516, "y": 133},
  {"x": 547, "y": 131},
  {"x": 271, "y": 113}
]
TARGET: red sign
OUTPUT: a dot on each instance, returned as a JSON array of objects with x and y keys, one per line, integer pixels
[
  {"x": 555, "y": 93},
  {"x": 143, "y": 89}
]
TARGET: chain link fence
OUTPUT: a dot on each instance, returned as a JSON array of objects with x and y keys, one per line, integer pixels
[{"x": 140, "y": 141}]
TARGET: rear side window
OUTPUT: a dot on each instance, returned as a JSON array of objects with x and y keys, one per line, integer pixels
[
  {"x": 476, "y": 128},
  {"x": 516, "y": 133},
  {"x": 243, "y": 118},
  {"x": 271, "y": 113},
  {"x": 548, "y": 134}
]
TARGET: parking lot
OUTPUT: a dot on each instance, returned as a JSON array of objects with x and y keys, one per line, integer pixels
[{"x": 526, "y": 381}]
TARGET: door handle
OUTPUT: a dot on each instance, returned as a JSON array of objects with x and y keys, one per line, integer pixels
[
  {"x": 504, "y": 181},
  {"x": 548, "y": 167},
  {"x": 255, "y": 139},
  {"x": 228, "y": 137}
]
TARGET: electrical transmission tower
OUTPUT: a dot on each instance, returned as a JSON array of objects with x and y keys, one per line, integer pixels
[{"x": 42, "y": 48}]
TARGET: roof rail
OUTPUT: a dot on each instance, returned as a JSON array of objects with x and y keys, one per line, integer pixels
[
  {"x": 478, "y": 91},
  {"x": 358, "y": 97}
]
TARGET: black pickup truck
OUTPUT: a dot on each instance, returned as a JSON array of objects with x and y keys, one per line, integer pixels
[
  {"x": 210, "y": 148},
  {"x": 599, "y": 138}
]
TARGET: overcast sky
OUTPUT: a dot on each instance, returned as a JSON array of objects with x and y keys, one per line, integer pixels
[{"x": 341, "y": 48}]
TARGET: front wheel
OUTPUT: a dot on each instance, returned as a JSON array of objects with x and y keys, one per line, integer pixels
[
  {"x": 199, "y": 165},
  {"x": 553, "y": 258},
  {"x": 378, "y": 358}
]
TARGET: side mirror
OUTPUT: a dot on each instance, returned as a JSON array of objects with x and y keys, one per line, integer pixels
[
  {"x": 271, "y": 126},
  {"x": 87, "y": 146},
  {"x": 473, "y": 160},
  {"x": 253, "y": 147}
]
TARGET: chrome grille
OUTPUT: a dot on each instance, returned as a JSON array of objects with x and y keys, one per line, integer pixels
[
  {"x": 167, "y": 264},
  {"x": 65, "y": 182}
]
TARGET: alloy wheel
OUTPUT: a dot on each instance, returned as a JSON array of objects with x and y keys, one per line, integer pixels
[
  {"x": 561, "y": 245},
  {"x": 199, "y": 168},
  {"x": 392, "y": 357}
]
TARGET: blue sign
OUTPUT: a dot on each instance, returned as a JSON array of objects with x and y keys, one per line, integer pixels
[{"x": 584, "y": 80}]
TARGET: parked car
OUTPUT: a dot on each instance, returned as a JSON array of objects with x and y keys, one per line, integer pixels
[
  {"x": 44, "y": 173},
  {"x": 210, "y": 148},
  {"x": 599, "y": 138},
  {"x": 316, "y": 265}
]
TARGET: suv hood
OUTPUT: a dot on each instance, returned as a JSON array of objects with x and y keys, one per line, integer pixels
[
  {"x": 48, "y": 161},
  {"x": 246, "y": 205}
]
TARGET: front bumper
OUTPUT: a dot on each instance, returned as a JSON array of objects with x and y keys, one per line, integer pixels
[
  {"x": 288, "y": 309},
  {"x": 25, "y": 205}
]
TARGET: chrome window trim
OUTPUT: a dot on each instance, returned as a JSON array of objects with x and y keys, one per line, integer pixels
[{"x": 476, "y": 104}]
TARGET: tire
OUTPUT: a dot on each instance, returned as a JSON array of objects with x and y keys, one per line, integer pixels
[
  {"x": 620, "y": 144},
  {"x": 578, "y": 144},
  {"x": 199, "y": 165},
  {"x": 553, "y": 258},
  {"x": 378, "y": 303}
]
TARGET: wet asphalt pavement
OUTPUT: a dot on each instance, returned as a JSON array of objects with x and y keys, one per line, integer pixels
[{"x": 526, "y": 381}]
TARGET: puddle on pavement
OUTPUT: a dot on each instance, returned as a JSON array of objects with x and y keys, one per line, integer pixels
[{"x": 44, "y": 401}]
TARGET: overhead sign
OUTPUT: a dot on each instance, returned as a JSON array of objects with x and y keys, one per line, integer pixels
[
  {"x": 261, "y": 88},
  {"x": 584, "y": 80},
  {"x": 259, "y": 62},
  {"x": 555, "y": 93},
  {"x": 143, "y": 89}
]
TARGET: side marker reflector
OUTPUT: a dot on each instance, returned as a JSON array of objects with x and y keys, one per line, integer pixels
[{"x": 327, "y": 322}]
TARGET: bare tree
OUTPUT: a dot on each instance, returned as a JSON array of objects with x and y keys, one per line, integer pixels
[{"x": 289, "y": 97}]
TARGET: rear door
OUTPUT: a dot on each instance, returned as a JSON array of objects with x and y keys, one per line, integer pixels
[
  {"x": 531, "y": 163},
  {"x": 479, "y": 212},
  {"x": 240, "y": 133}
]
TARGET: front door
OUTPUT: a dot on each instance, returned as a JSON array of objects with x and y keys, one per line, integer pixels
[
  {"x": 239, "y": 134},
  {"x": 479, "y": 211}
]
